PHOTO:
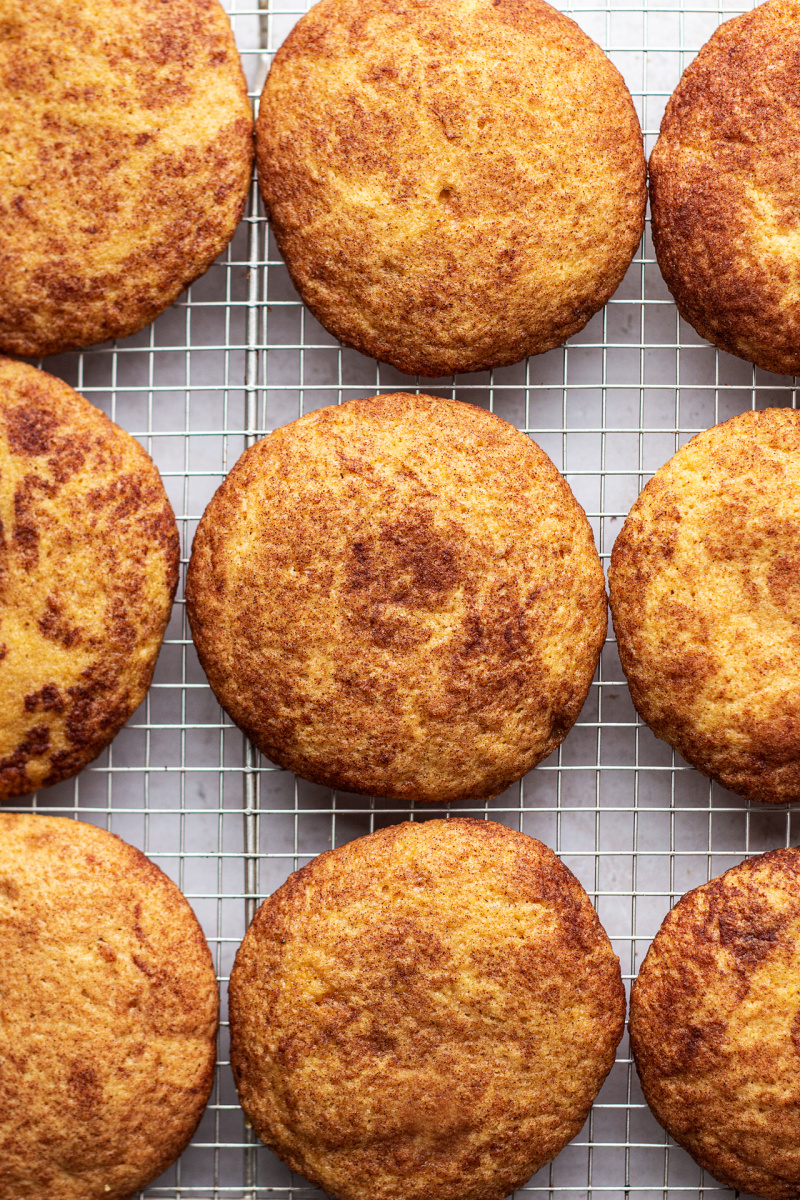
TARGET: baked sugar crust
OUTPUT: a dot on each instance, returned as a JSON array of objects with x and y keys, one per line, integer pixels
[
  {"x": 89, "y": 559},
  {"x": 454, "y": 184},
  {"x": 715, "y": 1029},
  {"x": 110, "y": 1004},
  {"x": 425, "y": 1012},
  {"x": 705, "y": 596},
  {"x": 724, "y": 191},
  {"x": 126, "y": 148},
  {"x": 398, "y": 596}
]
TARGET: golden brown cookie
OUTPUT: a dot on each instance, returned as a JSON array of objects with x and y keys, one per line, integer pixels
[
  {"x": 426, "y": 1013},
  {"x": 454, "y": 184},
  {"x": 705, "y": 596},
  {"x": 89, "y": 558},
  {"x": 725, "y": 191},
  {"x": 398, "y": 596},
  {"x": 126, "y": 150},
  {"x": 715, "y": 1025},
  {"x": 109, "y": 1013}
]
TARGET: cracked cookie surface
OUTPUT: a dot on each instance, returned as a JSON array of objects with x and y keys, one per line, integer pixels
[
  {"x": 454, "y": 184},
  {"x": 109, "y": 1014},
  {"x": 705, "y": 595},
  {"x": 425, "y": 1012},
  {"x": 399, "y": 596},
  {"x": 724, "y": 191},
  {"x": 126, "y": 150},
  {"x": 715, "y": 1025},
  {"x": 89, "y": 556}
]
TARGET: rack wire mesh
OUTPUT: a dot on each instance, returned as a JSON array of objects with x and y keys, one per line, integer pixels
[{"x": 237, "y": 356}]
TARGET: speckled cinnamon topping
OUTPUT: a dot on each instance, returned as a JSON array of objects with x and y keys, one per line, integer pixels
[
  {"x": 89, "y": 557},
  {"x": 705, "y": 595},
  {"x": 454, "y": 184},
  {"x": 399, "y": 596},
  {"x": 109, "y": 1013},
  {"x": 715, "y": 1025},
  {"x": 725, "y": 191},
  {"x": 125, "y": 159},
  {"x": 426, "y": 1013}
]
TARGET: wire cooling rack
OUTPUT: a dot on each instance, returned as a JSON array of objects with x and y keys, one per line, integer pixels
[{"x": 237, "y": 356}]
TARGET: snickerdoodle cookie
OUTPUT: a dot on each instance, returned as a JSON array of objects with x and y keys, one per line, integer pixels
[
  {"x": 454, "y": 184},
  {"x": 89, "y": 557},
  {"x": 715, "y": 1025},
  {"x": 398, "y": 596},
  {"x": 126, "y": 151},
  {"x": 109, "y": 1014},
  {"x": 426, "y": 1013},
  {"x": 725, "y": 191},
  {"x": 705, "y": 596}
]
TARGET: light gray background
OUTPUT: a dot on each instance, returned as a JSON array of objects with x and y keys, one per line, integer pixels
[{"x": 239, "y": 353}]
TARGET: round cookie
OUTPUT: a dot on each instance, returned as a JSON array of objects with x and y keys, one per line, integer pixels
[
  {"x": 715, "y": 1025},
  {"x": 89, "y": 556},
  {"x": 705, "y": 597},
  {"x": 454, "y": 184},
  {"x": 109, "y": 1003},
  {"x": 724, "y": 191},
  {"x": 427, "y": 1012},
  {"x": 399, "y": 596},
  {"x": 126, "y": 139}
]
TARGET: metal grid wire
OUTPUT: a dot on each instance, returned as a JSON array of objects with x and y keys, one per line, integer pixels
[{"x": 237, "y": 356}]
